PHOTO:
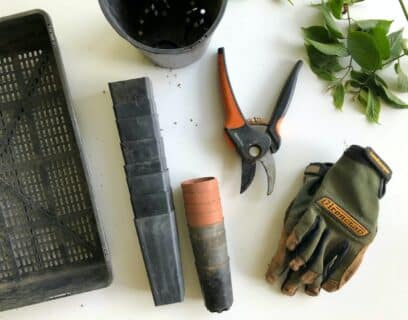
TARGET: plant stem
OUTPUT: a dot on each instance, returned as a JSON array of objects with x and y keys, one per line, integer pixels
[
  {"x": 347, "y": 10},
  {"x": 391, "y": 61},
  {"x": 349, "y": 67},
  {"x": 404, "y": 9}
]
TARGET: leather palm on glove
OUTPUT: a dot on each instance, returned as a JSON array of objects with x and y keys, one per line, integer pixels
[{"x": 330, "y": 223}]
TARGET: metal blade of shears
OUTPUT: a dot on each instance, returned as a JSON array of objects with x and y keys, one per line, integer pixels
[
  {"x": 268, "y": 163},
  {"x": 248, "y": 174}
]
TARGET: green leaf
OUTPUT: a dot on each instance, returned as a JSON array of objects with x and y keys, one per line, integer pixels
[
  {"x": 338, "y": 96},
  {"x": 382, "y": 42},
  {"x": 373, "y": 107},
  {"x": 322, "y": 61},
  {"x": 323, "y": 74},
  {"x": 405, "y": 46},
  {"x": 364, "y": 50},
  {"x": 330, "y": 23},
  {"x": 336, "y": 7},
  {"x": 361, "y": 77},
  {"x": 395, "y": 40},
  {"x": 402, "y": 80},
  {"x": 322, "y": 65},
  {"x": 331, "y": 49},
  {"x": 390, "y": 97},
  {"x": 363, "y": 98},
  {"x": 352, "y": 86},
  {"x": 351, "y": 2},
  {"x": 380, "y": 81},
  {"x": 393, "y": 100},
  {"x": 368, "y": 25},
  {"x": 317, "y": 33}
]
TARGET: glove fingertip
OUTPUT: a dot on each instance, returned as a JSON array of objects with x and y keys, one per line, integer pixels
[
  {"x": 296, "y": 263},
  {"x": 289, "y": 290},
  {"x": 292, "y": 241},
  {"x": 312, "y": 291},
  {"x": 309, "y": 277},
  {"x": 331, "y": 285},
  {"x": 271, "y": 278}
]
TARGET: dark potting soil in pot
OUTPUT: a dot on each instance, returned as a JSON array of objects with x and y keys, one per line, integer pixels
[{"x": 168, "y": 24}]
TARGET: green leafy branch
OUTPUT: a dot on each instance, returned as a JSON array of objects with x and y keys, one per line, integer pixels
[{"x": 350, "y": 61}]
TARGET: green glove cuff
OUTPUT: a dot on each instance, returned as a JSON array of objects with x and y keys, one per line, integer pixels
[{"x": 367, "y": 156}]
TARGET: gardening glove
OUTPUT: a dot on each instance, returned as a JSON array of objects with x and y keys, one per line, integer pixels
[
  {"x": 313, "y": 176},
  {"x": 329, "y": 240}
]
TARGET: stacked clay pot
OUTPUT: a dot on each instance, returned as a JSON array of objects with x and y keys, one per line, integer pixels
[{"x": 205, "y": 219}]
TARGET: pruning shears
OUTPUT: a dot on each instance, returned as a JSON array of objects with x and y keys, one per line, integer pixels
[{"x": 251, "y": 144}]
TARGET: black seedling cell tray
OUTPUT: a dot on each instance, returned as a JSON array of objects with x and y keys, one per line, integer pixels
[
  {"x": 158, "y": 238},
  {"x": 151, "y": 183},
  {"x": 50, "y": 244},
  {"x": 139, "y": 128},
  {"x": 131, "y": 91},
  {"x": 150, "y": 188},
  {"x": 132, "y": 98},
  {"x": 148, "y": 167},
  {"x": 141, "y": 106},
  {"x": 152, "y": 204},
  {"x": 143, "y": 150}
]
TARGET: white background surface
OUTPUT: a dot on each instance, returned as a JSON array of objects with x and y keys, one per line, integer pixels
[{"x": 262, "y": 39}]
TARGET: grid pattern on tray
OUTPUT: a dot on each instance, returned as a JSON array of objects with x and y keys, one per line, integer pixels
[{"x": 46, "y": 217}]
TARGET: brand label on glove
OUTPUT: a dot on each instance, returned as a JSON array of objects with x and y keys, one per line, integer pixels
[{"x": 343, "y": 216}]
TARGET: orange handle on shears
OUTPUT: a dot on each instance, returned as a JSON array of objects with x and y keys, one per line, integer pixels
[{"x": 233, "y": 115}]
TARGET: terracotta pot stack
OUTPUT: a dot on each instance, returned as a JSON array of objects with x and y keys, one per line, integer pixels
[{"x": 205, "y": 219}]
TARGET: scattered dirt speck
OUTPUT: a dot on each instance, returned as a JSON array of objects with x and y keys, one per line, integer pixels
[
  {"x": 82, "y": 305},
  {"x": 104, "y": 91},
  {"x": 191, "y": 120},
  {"x": 179, "y": 85},
  {"x": 175, "y": 123}
]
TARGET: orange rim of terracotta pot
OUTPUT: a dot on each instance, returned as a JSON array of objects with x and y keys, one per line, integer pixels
[{"x": 206, "y": 207}]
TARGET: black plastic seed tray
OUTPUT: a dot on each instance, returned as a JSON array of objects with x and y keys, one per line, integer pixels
[
  {"x": 143, "y": 150},
  {"x": 127, "y": 110},
  {"x": 143, "y": 168},
  {"x": 158, "y": 238},
  {"x": 133, "y": 92},
  {"x": 149, "y": 185},
  {"x": 153, "y": 204},
  {"x": 133, "y": 98},
  {"x": 139, "y": 128},
  {"x": 50, "y": 244}
]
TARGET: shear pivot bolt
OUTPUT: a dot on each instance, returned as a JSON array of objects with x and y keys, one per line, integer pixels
[{"x": 254, "y": 151}]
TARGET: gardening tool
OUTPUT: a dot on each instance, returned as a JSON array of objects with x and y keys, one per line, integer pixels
[
  {"x": 172, "y": 33},
  {"x": 207, "y": 233},
  {"x": 252, "y": 145},
  {"x": 149, "y": 186}
]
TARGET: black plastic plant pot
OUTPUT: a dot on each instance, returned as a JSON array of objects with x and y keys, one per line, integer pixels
[{"x": 172, "y": 33}]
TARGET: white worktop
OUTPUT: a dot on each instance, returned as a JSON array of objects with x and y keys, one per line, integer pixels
[{"x": 262, "y": 40}]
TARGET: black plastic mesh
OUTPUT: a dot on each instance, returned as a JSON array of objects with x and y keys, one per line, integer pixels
[{"x": 47, "y": 223}]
